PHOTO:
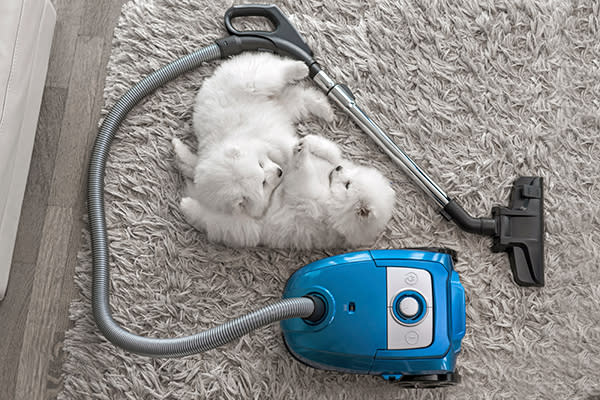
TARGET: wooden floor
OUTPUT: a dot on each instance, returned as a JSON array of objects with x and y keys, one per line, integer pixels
[{"x": 34, "y": 313}]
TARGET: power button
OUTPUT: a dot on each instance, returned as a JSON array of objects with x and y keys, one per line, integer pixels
[{"x": 409, "y": 307}]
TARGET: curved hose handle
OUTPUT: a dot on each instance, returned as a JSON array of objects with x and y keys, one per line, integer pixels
[{"x": 284, "y": 30}]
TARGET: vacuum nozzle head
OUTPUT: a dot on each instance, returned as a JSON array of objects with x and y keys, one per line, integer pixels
[{"x": 520, "y": 231}]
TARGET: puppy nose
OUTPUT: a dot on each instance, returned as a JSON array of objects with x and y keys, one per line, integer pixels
[
  {"x": 338, "y": 168},
  {"x": 279, "y": 172}
]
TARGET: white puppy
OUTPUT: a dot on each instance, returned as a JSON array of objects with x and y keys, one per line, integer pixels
[
  {"x": 244, "y": 119},
  {"x": 323, "y": 202}
]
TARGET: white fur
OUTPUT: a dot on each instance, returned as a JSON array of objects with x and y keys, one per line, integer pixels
[
  {"x": 253, "y": 182},
  {"x": 244, "y": 119},
  {"x": 322, "y": 202}
]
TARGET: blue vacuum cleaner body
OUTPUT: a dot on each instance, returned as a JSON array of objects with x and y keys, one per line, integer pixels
[{"x": 399, "y": 314}]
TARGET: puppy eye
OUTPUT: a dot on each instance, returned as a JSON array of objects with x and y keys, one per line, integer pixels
[
  {"x": 264, "y": 182},
  {"x": 347, "y": 185}
]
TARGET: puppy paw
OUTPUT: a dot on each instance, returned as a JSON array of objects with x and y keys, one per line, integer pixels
[
  {"x": 296, "y": 71},
  {"x": 300, "y": 154},
  {"x": 178, "y": 147},
  {"x": 320, "y": 147},
  {"x": 192, "y": 213},
  {"x": 300, "y": 146},
  {"x": 320, "y": 106},
  {"x": 186, "y": 160},
  {"x": 187, "y": 205},
  {"x": 325, "y": 111}
]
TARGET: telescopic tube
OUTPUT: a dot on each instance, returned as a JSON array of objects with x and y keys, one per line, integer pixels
[{"x": 342, "y": 96}]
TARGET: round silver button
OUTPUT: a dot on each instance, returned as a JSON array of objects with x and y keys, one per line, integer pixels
[
  {"x": 412, "y": 337},
  {"x": 409, "y": 307}
]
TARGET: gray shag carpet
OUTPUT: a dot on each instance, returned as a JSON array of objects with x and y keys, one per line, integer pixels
[{"x": 477, "y": 92}]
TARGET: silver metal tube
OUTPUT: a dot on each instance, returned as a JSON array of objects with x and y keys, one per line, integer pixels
[{"x": 344, "y": 98}]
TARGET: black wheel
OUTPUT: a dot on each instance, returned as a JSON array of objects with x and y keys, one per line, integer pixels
[{"x": 428, "y": 381}]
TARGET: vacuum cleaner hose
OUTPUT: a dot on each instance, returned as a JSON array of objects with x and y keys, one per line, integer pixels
[{"x": 155, "y": 347}]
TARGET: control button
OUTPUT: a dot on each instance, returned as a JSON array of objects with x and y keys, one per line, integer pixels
[
  {"x": 409, "y": 307},
  {"x": 411, "y": 337},
  {"x": 405, "y": 328},
  {"x": 411, "y": 278}
]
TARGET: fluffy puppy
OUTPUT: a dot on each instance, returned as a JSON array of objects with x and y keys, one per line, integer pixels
[
  {"x": 360, "y": 203},
  {"x": 326, "y": 201},
  {"x": 323, "y": 201},
  {"x": 240, "y": 180},
  {"x": 244, "y": 118}
]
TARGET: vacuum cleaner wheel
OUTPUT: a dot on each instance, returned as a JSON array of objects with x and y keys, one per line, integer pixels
[{"x": 428, "y": 381}]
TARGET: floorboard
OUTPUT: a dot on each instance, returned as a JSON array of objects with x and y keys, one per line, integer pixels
[
  {"x": 13, "y": 317},
  {"x": 66, "y": 30},
  {"x": 77, "y": 123},
  {"x": 43, "y": 307},
  {"x": 39, "y": 180}
]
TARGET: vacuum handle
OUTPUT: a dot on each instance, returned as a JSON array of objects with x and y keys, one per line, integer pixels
[{"x": 284, "y": 30}]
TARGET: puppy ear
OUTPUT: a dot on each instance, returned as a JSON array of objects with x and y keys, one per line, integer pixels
[{"x": 233, "y": 152}]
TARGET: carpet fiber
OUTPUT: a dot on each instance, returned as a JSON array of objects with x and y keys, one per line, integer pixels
[{"x": 478, "y": 93}]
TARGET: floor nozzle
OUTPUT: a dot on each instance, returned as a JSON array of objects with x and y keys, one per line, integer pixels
[
  {"x": 521, "y": 231},
  {"x": 517, "y": 229}
]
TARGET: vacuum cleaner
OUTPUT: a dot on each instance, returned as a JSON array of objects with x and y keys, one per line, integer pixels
[{"x": 399, "y": 314}]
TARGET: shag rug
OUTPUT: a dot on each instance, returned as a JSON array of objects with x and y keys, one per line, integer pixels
[{"x": 477, "y": 92}]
